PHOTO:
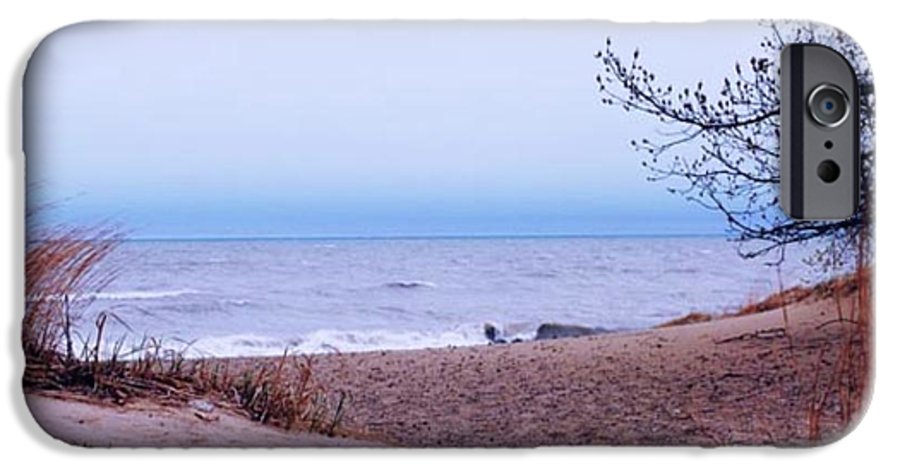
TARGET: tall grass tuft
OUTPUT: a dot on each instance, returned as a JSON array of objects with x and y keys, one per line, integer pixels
[
  {"x": 63, "y": 272},
  {"x": 852, "y": 370}
]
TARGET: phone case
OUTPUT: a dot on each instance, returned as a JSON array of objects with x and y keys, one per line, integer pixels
[{"x": 433, "y": 234}]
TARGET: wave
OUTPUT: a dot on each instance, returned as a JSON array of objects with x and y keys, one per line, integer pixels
[
  {"x": 541, "y": 274},
  {"x": 346, "y": 341},
  {"x": 238, "y": 302},
  {"x": 330, "y": 341},
  {"x": 684, "y": 271},
  {"x": 410, "y": 284},
  {"x": 129, "y": 295}
]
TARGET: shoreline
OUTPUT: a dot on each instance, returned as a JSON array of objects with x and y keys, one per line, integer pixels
[{"x": 743, "y": 378}]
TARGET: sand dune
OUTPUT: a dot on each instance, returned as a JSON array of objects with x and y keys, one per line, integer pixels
[
  {"x": 747, "y": 380},
  {"x": 144, "y": 423}
]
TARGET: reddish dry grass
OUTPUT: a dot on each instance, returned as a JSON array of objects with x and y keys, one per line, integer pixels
[
  {"x": 776, "y": 301},
  {"x": 849, "y": 382},
  {"x": 692, "y": 318},
  {"x": 842, "y": 287},
  {"x": 58, "y": 269}
]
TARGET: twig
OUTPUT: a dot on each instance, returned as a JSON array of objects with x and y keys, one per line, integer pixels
[{"x": 765, "y": 334}]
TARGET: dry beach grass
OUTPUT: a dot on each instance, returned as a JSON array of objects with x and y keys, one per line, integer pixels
[{"x": 62, "y": 271}]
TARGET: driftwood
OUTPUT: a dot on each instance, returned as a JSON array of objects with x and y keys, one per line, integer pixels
[{"x": 764, "y": 334}]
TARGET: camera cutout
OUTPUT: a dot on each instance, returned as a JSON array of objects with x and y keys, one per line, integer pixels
[
  {"x": 828, "y": 171},
  {"x": 828, "y": 105},
  {"x": 819, "y": 108}
]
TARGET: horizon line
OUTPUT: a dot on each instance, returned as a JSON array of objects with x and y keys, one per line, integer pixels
[{"x": 286, "y": 237}]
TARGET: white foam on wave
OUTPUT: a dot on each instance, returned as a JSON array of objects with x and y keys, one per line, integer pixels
[
  {"x": 126, "y": 295},
  {"x": 330, "y": 341}
]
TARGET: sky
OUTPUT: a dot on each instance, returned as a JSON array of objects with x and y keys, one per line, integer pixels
[{"x": 355, "y": 129}]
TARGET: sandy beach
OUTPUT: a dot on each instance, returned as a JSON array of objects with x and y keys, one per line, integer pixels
[
  {"x": 744, "y": 380},
  {"x": 738, "y": 380}
]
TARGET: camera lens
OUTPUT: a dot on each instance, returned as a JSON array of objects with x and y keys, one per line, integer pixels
[{"x": 828, "y": 105}]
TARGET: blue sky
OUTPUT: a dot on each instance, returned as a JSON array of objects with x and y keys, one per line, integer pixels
[{"x": 359, "y": 129}]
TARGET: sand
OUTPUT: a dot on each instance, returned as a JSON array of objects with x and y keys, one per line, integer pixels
[
  {"x": 740, "y": 380},
  {"x": 144, "y": 423}
]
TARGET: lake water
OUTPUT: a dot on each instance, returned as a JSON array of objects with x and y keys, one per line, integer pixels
[{"x": 254, "y": 297}]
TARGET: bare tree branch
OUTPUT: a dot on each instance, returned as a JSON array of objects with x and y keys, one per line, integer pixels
[{"x": 721, "y": 147}]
